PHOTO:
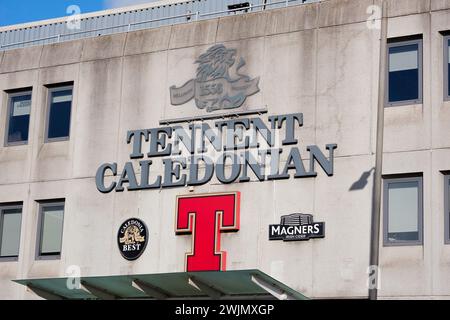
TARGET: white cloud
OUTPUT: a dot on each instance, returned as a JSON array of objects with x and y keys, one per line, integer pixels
[{"x": 109, "y": 4}]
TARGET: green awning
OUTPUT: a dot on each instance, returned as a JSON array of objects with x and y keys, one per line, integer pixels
[{"x": 251, "y": 284}]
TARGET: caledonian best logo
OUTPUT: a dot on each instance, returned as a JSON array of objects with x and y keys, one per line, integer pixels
[{"x": 132, "y": 238}]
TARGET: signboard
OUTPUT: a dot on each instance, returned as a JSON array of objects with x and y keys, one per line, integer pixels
[
  {"x": 238, "y": 148},
  {"x": 231, "y": 149},
  {"x": 295, "y": 227},
  {"x": 205, "y": 217},
  {"x": 219, "y": 83},
  {"x": 132, "y": 238}
]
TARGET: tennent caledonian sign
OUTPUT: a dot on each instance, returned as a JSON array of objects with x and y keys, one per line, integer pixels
[
  {"x": 236, "y": 150},
  {"x": 231, "y": 149}
]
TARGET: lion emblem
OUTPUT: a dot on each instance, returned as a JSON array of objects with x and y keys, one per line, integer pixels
[
  {"x": 218, "y": 83},
  {"x": 215, "y": 63},
  {"x": 131, "y": 236}
]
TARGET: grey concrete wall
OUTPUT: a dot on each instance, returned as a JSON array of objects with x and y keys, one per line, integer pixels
[
  {"x": 416, "y": 141},
  {"x": 319, "y": 59}
]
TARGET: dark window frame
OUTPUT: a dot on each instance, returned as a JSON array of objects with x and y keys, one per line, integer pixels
[
  {"x": 50, "y": 90},
  {"x": 42, "y": 206},
  {"x": 446, "y": 71},
  {"x": 401, "y": 43},
  {"x": 10, "y": 96},
  {"x": 447, "y": 208},
  {"x": 2, "y": 209},
  {"x": 386, "y": 182}
]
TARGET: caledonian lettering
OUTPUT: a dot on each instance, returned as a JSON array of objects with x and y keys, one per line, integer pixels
[{"x": 231, "y": 150}]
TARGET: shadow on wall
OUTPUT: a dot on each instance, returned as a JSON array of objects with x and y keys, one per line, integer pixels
[{"x": 362, "y": 181}]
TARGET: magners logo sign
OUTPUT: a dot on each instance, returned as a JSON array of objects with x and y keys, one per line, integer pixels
[{"x": 295, "y": 227}]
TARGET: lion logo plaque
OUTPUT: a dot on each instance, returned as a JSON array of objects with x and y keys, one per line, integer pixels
[
  {"x": 132, "y": 238},
  {"x": 219, "y": 84}
]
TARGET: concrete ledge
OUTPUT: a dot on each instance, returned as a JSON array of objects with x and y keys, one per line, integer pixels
[
  {"x": 61, "y": 53},
  {"x": 15, "y": 164},
  {"x": 339, "y": 12},
  {"x": 21, "y": 59},
  {"x": 440, "y": 5},
  {"x": 409, "y": 124},
  {"x": 409, "y": 25},
  {"x": 296, "y": 18},
  {"x": 15, "y": 80},
  {"x": 149, "y": 40},
  {"x": 240, "y": 27},
  {"x": 57, "y": 74},
  {"x": 194, "y": 34},
  {"x": 103, "y": 47},
  {"x": 405, "y": 7}
]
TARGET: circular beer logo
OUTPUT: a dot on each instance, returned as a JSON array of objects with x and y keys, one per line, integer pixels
[{"x": 132, "y": 238}]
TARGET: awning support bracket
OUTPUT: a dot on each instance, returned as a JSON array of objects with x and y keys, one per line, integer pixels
[
  {"x": 98, "y": 292},
  {"x": 271, "y": 288},
  {"x": 206, "y": 288},
  {"x": 44, "y": 293},
  {"x": 149, "y": 289}
]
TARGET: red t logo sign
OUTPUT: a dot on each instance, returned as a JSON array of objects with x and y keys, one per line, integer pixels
[{"x": 205, "y": 217}]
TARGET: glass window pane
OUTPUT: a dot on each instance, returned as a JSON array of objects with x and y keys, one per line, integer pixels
[
  {"x": 403, "y": 208},
  {"x": 404, "y": 73},
  {"x": 51, "y": 233},
  {"x": 19, "y": 118},
  {"x": 59, "y": 117},
  {"x": 10, "y": 233}
]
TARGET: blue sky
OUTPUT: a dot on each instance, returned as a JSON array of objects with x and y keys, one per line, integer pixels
[{"x": 20, "y": 11}]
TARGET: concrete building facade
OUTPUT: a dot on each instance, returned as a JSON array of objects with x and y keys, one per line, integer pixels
[{"x": 320, "y": 59}]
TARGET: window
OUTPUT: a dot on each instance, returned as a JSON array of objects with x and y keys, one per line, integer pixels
[
  {"x": 59, "y": 110},
  {"x": 10, "y": 222},
  {"x": 404, "y": 81},
  {"x": 18, "y": 119},
  {"x": 447, "y": 208},
  {"x": 403, "y": 211},
  {"x": 447, "y": 67},
  {"x": 51, "y": 218}
]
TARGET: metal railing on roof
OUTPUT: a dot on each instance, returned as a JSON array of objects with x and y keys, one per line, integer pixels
[{"x": 147, "y": 24}]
